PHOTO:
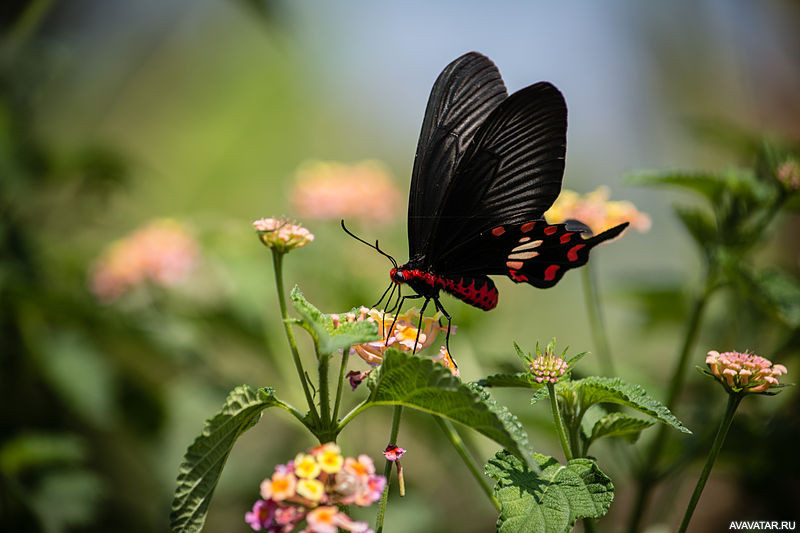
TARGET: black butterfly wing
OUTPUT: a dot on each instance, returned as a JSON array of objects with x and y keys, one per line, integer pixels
[
  {"x": 533, "y": 252},
  {"x": 510, "y": 174},
  {"x": 465, "y": 93}
]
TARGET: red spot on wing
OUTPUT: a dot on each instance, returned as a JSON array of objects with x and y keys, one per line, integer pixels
[
  {"x": 525, "y": 228},
  {"x": 516, "y": 276},
  {"x": 499, "y": 230},
  {"x": 549, "y": 230},
  {"x": 550, "y": 272},
  {"x": 566, "y": 237},
  {"x": 572, "y": 255}
]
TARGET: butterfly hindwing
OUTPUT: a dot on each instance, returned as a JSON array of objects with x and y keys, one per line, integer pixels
[{"x": 539, "y": 253}]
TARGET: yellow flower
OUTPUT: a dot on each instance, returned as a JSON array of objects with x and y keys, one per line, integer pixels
[
  {"x": 329, "y": 457},
  {"x": 311, "y": 489},
  {"x": 596, "y": 211},
  {"x": 306, "y": 466}
]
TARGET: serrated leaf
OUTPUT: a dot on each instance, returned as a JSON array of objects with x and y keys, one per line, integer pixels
[
  {"x": 549, "y": 501},
  {"x": 598, "y": 389},
  {"x": 519, "y": 380},
  {"x": 618, "y": 425},
  {"x": 540, "y": 394},
  {"x": 420, "y": 383},
  {"x": 328, "y": 338},
  {"x": 522, "y": 355},
  {"x": 575, "y": 358},
  {"x": 203, "y": 462}
]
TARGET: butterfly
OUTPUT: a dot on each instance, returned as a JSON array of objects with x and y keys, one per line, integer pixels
[{"x": 487, "y": 167}]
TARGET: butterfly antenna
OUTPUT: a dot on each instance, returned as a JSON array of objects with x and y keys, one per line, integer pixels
[{"x": 375, "y": 246}]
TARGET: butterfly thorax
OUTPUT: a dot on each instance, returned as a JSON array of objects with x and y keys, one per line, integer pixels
[{"x": 479, "y": 292}]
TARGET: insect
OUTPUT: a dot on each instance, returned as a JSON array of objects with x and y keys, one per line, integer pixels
[{"x": 487, "y": 167}]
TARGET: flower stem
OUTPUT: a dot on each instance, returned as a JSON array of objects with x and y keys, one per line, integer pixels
[
  {"x": 648, "y": 476},
  {"x": 342, "y": 368},
  {"x": 387, "y": 469},
  {"x": 458, "y": 444},
  {"x": 323, "y": 361},
  {"x": 277, "y": 260},
  {"x": 596, "y": 322},
  {"x": 719, "y": 439},
  {"x": 562, "y": 433}
]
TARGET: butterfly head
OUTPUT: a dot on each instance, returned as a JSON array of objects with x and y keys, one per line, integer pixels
[{"x": 398, "y": 275}]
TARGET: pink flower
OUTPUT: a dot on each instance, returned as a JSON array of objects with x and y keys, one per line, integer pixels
[
  {"x": 744, "y": 372},
  {"x": 261, "y": 516},
  {"x": 356, "y": 377},
  {"x": 788, "y": 173},
  {"x": 548, "y": 367},
  {"x": 393, "y": 452},
  {"x": 333, "y": 191},
  {"x": 329, "y": 520},
  {"x": 162, "y": 253},
  {"x": 596, "y": 211},
  {"x": 282, "y": 235},
  {"x": 404, "y": 335}
]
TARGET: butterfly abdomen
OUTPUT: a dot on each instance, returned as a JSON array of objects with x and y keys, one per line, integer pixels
[{"x": 478, "y": 292}]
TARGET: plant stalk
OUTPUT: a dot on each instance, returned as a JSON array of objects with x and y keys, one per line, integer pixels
[
  {"x": 719, "y": 439},
  {"x": 596, "y": 322},
  {"x": 387, "y": 469},
  {"x": 458, "y": 444},
  {"x": 277, "y": 260},
  {"x": 647, "y": 478},
  {"x": 562, "y": 433},
  {"x": 342, "y": 368}
]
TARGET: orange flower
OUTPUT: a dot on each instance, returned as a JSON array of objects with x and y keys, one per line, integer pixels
[
  {"x": 596, "y": 211},
  {"x": 332, "y": 191}
]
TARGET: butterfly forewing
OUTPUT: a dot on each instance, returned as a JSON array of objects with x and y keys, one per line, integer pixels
[
  {"x": 510, "y": 173},
  {"x": 465, "y": 93}
]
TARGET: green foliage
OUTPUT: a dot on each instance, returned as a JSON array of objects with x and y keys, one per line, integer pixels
[
  {"x": 523, "y": 380},
  {"x": 549, "y": 501},
  {"x": 420, "y": 383},
  {"x": 327, "y": 338},
  {"x": 203, "y": 462},
  {"x": 618, "y": 425}
]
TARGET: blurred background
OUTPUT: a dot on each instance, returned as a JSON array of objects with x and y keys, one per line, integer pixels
[{"x": 138, "y": 141}]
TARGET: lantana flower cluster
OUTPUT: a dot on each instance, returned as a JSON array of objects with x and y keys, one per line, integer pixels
[
  {"x": 744, "y": 372},
  {"x": 403, "y": 336},
  {"x": 596, "y": 211},
  {"x": 548, "y": 367},
  {"x": 311, "y": 488},
  {"x": 162, "y": 253},
  {"x": 333, "y": 191},
  {"x": 282, "y": 234}
]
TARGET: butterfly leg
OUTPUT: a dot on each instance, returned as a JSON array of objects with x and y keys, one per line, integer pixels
[
  {"x": 399, "y": 307},
  {"x": 419, "y": 326},
  {"x": 440, "y": 307},
  {"x": 390, "y": 287}
]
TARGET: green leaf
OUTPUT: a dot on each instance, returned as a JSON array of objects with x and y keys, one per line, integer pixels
[
  {"x": 541, "y": 394},
  {"x": 420, "y": 383},
  {"x": 699, "y": 224},
  {"x": 706, "y": 184},
  {"x": 774, "y": 291},
  {"x": 327, "y": 338},
  {"x": 522, "y": 355},
  {"x": 522, "y": 380},
  {"x": 549, "y": 501},
  {"x": 618, "y": 425},
  {"x": 597, "y": 389},
  {"x": 205, "y": 458}
]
